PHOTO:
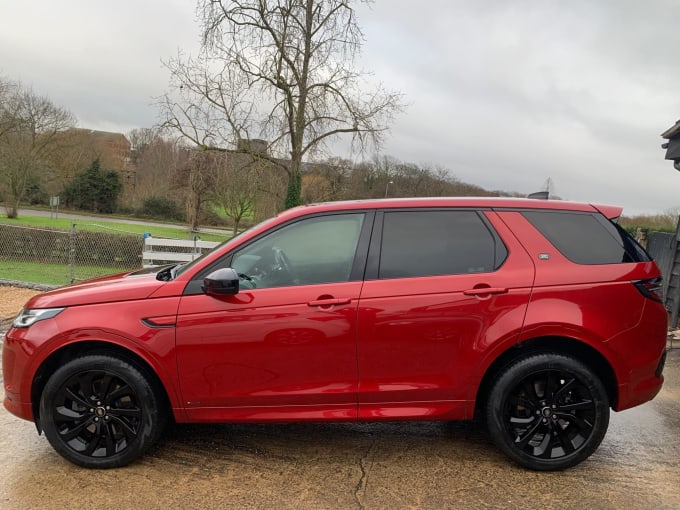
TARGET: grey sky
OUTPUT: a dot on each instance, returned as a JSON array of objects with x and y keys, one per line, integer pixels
[{"x": 503, "y": 93}]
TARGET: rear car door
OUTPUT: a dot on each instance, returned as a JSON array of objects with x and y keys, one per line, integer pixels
[{"x": 443, "y": 289}]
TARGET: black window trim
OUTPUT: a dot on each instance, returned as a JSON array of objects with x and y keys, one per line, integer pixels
[{"x": 629, "y": 239}]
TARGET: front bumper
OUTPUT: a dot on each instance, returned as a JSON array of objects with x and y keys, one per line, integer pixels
[{"x": 15, "y": 355}]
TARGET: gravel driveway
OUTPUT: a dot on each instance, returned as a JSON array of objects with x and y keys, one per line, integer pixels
[{"x": 12, "y": 300}]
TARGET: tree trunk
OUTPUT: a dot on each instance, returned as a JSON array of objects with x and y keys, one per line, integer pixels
[
  {"x": 193, "y": 211},
  {"x": 294, "y": 189},
  {"x": 12, "y": 211}
]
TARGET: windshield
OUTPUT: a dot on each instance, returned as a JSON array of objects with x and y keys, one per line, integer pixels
[{"x": 181, "y": 268}]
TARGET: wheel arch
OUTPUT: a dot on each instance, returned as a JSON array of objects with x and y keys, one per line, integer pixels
[
  {"x": 78, "y": 349},
  {"x": 550, "y": 344}
]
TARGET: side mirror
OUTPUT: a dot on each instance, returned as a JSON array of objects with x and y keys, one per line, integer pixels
[{"x": 221, "y": 282}]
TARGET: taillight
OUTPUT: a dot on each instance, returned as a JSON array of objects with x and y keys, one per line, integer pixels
[{"x": 650, "y": 288}]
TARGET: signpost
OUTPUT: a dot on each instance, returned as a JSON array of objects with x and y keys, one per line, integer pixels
[{"x": 54, "y": 207}]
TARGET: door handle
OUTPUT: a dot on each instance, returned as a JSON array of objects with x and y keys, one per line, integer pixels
[
  {"x": 329, "y": 302},
  {"x": 485, "y": 291}
]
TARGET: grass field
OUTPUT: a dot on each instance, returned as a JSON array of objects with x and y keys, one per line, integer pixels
[
  {"x": 110, "y": 226},
  {"x": 59, "y": 274},
  {"x": 51, "y": 274}
]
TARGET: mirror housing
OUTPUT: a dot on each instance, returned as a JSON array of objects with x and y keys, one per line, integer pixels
[{"x": 222, "y": 282}]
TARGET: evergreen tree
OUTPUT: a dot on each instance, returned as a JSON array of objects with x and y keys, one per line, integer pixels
[{"x": 94, "y": 190}]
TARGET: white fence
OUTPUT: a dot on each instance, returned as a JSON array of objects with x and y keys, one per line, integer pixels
[{"x": 164, "y": 251}]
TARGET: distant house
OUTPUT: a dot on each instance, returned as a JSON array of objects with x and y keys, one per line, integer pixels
[
  {"x": 255, "y": 157},
  {"x": 672, "y": 147},
  {"x": 112, "y": 149}
]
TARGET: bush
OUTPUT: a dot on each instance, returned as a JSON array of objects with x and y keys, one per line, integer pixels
[
  {"x": 35, "y": 195},
  {"x": 210, "y": 217},
  {"x": 161, "y": 208},
  {"x": 94, "y": 190},
  {"x": 126, "y": 210},
  {"x": 654, "y": 223}
]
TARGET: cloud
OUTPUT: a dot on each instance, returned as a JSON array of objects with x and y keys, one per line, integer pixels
[
  {"x": 509, "y": 93},
  {"x": 504, "y": 93}
]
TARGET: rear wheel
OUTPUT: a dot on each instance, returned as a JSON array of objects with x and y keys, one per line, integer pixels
[
  {"x": 100, "y": 411},
  {"x": 548, "y": 412}
]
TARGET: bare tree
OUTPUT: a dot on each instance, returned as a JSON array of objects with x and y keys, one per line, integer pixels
[
  {"x": 31, "y": 125},
  {"x": 201, "y": 172},
  {"x": 141, "y": 138},
  {"x": 8, "y": 106},
  {"x": 156, "y": 160},
  {"x": 235, "y": 186},
  {"x": 279, "y": 70},
  {"x": 326, "y": 180}
]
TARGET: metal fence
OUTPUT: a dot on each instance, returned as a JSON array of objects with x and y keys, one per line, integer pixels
[
  {"x": 59, "y": 257},
  {"x": 165, "y": 251},
  {"x": 665, "y": 250}
]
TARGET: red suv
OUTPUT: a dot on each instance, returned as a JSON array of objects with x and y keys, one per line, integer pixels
[{"x": 540, "y": 316}]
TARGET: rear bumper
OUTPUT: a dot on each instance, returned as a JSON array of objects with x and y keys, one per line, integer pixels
[
  {"x": 643, "y": 385},
  {"x": 641, "y": 354}
]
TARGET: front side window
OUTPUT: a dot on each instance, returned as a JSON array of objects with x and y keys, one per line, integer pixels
[
  {"x": 431, "y": 243},
  {"x": 311, "y": 251}
]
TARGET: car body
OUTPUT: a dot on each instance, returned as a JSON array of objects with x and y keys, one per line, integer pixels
[{"x": 540, "y": 315}]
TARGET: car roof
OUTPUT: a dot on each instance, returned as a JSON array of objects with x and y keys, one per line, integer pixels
[
  {"x": 610, "y": 212},
  {"x": 498, "y": 203}
]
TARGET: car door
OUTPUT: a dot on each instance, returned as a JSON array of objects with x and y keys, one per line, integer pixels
[
  {"x": 442, "y": 288},
  {"x": 284, "y": 347}
]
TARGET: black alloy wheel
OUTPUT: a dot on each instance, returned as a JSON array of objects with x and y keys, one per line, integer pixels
[
  {"x": 100, "y": 412},
  {"x": 548, "y": 412}
]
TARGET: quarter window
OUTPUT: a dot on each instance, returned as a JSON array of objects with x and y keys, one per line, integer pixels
[
  {"x": 430, "y": 243},
  {"x": 587, "y": 238}
]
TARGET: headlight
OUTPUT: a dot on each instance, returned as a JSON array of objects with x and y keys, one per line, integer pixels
[{"x": 28, "y": 316}]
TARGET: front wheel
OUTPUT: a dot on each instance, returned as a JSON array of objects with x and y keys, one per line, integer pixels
[
  {"x": 100, "y": 411},
  {"x": 547, "y": 412}
]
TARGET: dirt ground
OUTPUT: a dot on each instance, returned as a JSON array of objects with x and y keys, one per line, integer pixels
[
  {"x": 354, "y": 466},
  {"x": 12, "y": 300}
]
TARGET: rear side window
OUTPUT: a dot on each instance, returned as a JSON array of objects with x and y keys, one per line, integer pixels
[
  {"x": 431, "y": 243},
  {"x": 587, "y": 238}
]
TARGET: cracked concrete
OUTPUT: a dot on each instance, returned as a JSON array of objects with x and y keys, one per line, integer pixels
[
  {"x": 354, "y": 466},
  {"x": 362, "y": 484}
]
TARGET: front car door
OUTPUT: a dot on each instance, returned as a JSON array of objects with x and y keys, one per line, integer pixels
[{"x": 284, "y": 347}]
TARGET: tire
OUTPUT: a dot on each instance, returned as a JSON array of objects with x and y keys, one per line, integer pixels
[
  {"x": 100, "y": 411},
  {"x": 547, "y": 412}
]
